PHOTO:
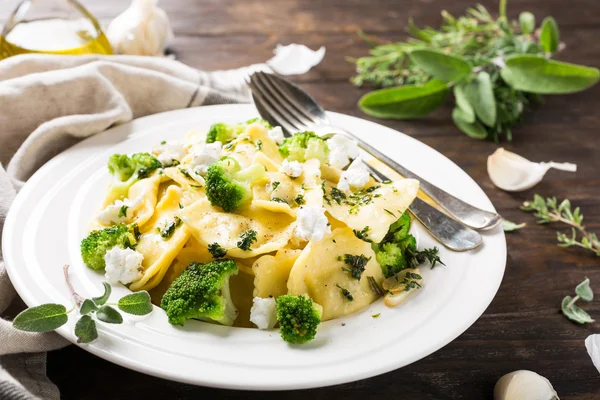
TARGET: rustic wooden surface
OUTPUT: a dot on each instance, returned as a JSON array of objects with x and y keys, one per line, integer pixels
[{"x": 522, "y": 328}]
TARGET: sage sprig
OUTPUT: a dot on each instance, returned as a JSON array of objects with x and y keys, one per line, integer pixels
[
  {"x": 548, "y": 210},
  {"x": 570, "y": 309},
  {"x": 493, "y": 67},
  {"x": 48, "y": 317}
]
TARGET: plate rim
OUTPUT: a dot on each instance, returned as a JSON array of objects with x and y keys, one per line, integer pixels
[{"x": 133, "y": 364}]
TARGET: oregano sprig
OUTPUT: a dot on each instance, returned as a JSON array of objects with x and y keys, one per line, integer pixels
[
  {"x": 548, "y": 210},
  {"x": 48, "y": 317},
  {"x": 570, "y": 309},
  {"x": 494, "y": 67}
]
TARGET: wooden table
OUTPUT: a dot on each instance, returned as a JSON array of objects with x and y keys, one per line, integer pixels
[{"x": 522, "y": 328}]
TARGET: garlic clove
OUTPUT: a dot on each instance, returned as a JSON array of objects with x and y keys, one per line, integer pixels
[
  {"x": 513, "y": 173},
  {"x": 524, "y": 385},
  {"x": 592, "y": 344},
  {"x": 295, "y": 59},
  {"x": 143, "y": 29}
]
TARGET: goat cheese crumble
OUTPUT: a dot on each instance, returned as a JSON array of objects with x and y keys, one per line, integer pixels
[
  {"x": 123, "y": 265},
  {"x": 276, "y": 134},
  {"x": 119, "y": 211},
  {"x": 341, "y": 151},
  {"x": 263, "y": 313},
  {"x": 291, "y": 168},
  {"x": 355, "y": 177},
  {"x": 311, "y": 223},
  {"x": 169, "y": 153},
  {"x": 209, "y": 154}
]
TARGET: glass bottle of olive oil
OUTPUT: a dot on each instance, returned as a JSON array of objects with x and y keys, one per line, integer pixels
[{"x": 54, "y": 27}]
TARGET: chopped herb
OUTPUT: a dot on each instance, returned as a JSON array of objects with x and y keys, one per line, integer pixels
[
  {"x": 300, "y": 199},
  {"x": 163, "y": 142},
  {"x": 410, "y": 281},
  {"x": 387, "y": 182},
  {"x": 363, "y": 234},
  {"x": 169, "y": 228},
  {"x": 196, "y": 186},
  {"x": 375, "y": 315},
  {"x": 246, "y": 240},
  {"x": 375, "y": 288},
  {"x": 185, "y": 173},
  {"x": 259, "y": 144},
  {"x": 123, "y": 212},
  {"x": 278, "y": 200},
  {"x": 337, "y": 195},
  {"x": 417, "y": 257},
  {"x": 356, "y": 263},
  {"x": 275, "y": 185},
  {"x": 216, "y": 251},
  {"x": 346, "y": 293},
  {"x": 391, "y": 213},
  {"x": 372, "y": 189},
  {"x": 180, "y": 206}
]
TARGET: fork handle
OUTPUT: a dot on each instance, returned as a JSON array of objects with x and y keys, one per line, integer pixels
[{"x": 469, "y": 215}]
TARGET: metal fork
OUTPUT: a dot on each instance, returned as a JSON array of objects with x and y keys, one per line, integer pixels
[{"x": 274, "y": 107}]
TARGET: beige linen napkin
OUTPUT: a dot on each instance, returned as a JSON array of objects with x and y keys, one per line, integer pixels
[{"x": 48, "y": 103}]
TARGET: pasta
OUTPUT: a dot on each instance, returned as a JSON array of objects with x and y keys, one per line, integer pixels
[{"x": 236, "y": 192}]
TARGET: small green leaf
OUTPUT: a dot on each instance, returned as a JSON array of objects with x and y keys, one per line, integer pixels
[
  {"x": 85, "y": 330},
  {"x": 87, "y": 307},
  {"x": 549, "y": 35},
  {"x": 440, "y": 65},
  {"x": 473, "y": 129},
  {"x": 584, "y": 291},
  {"x": 109, "y": 315},
  {"x": 405, "y": 102},
  {"x": 137, "y": 303},
  {"x": 537, "y": 74},
  {"x": 480, "y": 95},
  {"x": 468, "y": 114},
  {"x": 44, "y": 318},
  {"x": 104, "y": 298},
  {"x": 508, "y": 226},
  {"x": 575, "y": 313},
  {"x": 527, "y": 22}
]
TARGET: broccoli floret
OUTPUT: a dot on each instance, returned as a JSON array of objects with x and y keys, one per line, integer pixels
[
  {"x": 228, "y": 185},
  {"x": 224, "y": 133},
  {"x": 263, "y": 122},
  {"x": 95, "y": 246},
  {"x": 128, "y": 170},
  {"x": 398, "y": 249},
  {"x": 304, "y": 146},
  {"x": 202, "y": 292},
  {"x": 298, "y": 318}
]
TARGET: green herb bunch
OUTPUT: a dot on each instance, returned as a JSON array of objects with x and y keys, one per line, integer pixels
[
  {"x": 548, "y": 210},
  {"x": 493, "y": 66},
  {"x": 48, "y": 317}
]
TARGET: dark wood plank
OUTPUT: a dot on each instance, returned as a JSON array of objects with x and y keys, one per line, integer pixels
[{"x": 522, "y": 328}]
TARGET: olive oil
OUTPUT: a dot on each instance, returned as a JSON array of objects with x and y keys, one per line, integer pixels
[{"x": 53, "y": 27}]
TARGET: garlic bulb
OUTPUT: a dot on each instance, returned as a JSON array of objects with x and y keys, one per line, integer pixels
[
  {"x": 295, "y": 59},
  {"x": 524, "y": 385},
  {"x": 143, "y": 29},
  {"x": 513, "y": 173}
]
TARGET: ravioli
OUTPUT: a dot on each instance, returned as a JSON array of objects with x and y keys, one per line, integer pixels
[
  {"x": 159, "y": 252},
  {"x": 210, "y": 224},
  {"x": 271, "y": 273},
  {"x": 318, "y": 272},
  {"x": 377, "y": 209}
]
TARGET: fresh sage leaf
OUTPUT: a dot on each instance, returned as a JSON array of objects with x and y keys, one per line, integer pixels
[
  {"x": 575, "y": 313},
  {"x": 462, "y": 102},
  {"x": 109, "y": 315},
  {"x": 508, "y": 226},
  {"x": 44, "y": 318},
  {"x": 472, "y": 129},
  {"x": 537, "y": 74},
  {"x": 136, "y": 303},
  {"x": 85, "y": 330},
  {"x": 527, "y": 22},
  {"x": 104, "y": 298},
  {"x": 405, "y": 102},
  {"x": 549, "y": 35},
  {"x": 87, "y": 307},
  {"x": 480, "y": 95},
  {"x": 440, "y": 65},
  {"x": 584, "y": 291}
]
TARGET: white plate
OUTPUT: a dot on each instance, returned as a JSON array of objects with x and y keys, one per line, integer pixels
[{"x": 49, "y": 218}]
